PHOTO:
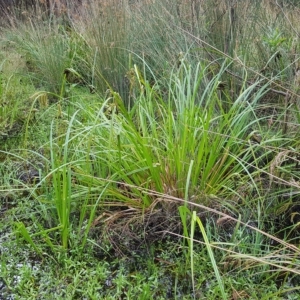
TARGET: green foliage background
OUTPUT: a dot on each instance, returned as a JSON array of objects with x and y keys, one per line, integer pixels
[{"x": 159, "y": 129}]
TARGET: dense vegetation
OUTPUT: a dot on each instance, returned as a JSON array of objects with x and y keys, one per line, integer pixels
[{"x": 149, "y": 149}]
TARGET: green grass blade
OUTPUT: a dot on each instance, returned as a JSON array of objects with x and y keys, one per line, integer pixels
[{"x": 211, "y": 255}]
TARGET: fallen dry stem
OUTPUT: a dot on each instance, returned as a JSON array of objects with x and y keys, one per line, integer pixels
[
  {"x": 262, "y": 260},
  {"x": 169, "y": 198}
]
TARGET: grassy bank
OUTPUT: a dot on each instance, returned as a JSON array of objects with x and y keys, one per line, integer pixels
[{"x": 150, "y": 150}]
